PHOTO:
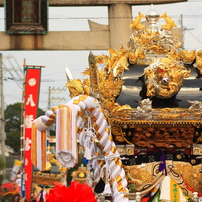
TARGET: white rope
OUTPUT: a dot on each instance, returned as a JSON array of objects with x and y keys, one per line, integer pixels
[{"x": 89, "y": 136}]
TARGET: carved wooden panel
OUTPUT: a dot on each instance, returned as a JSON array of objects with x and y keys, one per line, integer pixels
[{"x": 26, "y": 16}]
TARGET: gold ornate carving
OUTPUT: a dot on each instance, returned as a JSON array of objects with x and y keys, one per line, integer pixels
[
  {"x": 191, "y": 175},
  {"x": 164, "y": 77},
  {"x": 93, "y": 76},
  {"x": 136, "y": 23},
  {"x": 138, "y": 176},
  {"x": 186, "y": 56},
  {"x": 44, "y": 178},
  {"x": 145, "y": 175},
  {"x": 198, "y": 63},
  {"x": 80, "y": 175},
  {"x": 169, "y": 23},
  {"x": 77, "y": 87},
  {"x": 163, "y": 137},
  {"x": 117, "y": 130},
  {"x": 53, "y": 160}
]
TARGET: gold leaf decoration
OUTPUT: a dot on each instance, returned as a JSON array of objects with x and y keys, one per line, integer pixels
[
  {"x": 75, "y": 87},
  {"x": 86, "y": 72},
  {"x": 169, "y": 23},
  {"x": 136, "y": 23}
]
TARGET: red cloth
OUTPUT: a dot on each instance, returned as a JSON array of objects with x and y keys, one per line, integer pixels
[
  {"x": 9, "y": 188},
  {"x": 145, "y": 199},
  {"x": 76, "y": 192}
]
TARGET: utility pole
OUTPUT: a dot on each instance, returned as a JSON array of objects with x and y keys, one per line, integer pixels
[
  {"x": 182, "y": 27},
  {"x": 49, "y": 97},
  {"x": 2, "y": 121},
  {"x": 54, "y": 99}
]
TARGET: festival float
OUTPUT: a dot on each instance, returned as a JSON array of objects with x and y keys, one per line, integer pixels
[
  {"x": 140, "y": 139},
  {"x": 44, "y": 180}
]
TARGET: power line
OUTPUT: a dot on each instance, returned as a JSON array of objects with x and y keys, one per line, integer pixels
[
  {"x": 20, "y": 76},
  {"x": 19, "y": 83},
  {"x": 87, "y": 18},
  {"x": 195, "y": 37},
  {"x": 64, "y": 72},
  {"x": 173, "y": 16}
]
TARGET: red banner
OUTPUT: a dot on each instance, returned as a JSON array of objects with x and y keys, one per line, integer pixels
[{"x": 32, "y": 86}]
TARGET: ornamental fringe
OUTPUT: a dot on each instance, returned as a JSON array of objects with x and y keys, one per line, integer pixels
[{"x": 39, "y": 148}]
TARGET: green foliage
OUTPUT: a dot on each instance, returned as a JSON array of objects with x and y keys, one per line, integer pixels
[
  {"x": 13, "y": 117},
  {"x": 2, "y": 165},
  {"x": 132, "y": 188},
  {"x": 1, "y": 162},
  {"x": 13, "y": 140},
  {"x": 8, "y": 198},
  {"x": 40, "y": 112}
]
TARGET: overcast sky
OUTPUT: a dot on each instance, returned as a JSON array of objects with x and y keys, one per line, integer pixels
[{"x": 63, "y": 19}]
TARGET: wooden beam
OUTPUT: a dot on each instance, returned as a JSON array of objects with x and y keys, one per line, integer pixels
[
  {"x": 108, "y": 2},
  {"x": 57, "y": 40},
  {"x": 104, "y": 2}
]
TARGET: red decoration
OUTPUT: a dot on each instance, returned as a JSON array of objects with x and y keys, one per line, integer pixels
[
  {"x": 160, "y": 70},
  {"x": 76, "y": 192},
  {"x": 9, "y": 188},
  {"x": 32, "y": 86},
  {"x": 192, "y": 190}
]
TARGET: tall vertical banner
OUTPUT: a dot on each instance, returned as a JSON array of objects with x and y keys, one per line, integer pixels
[{"x": 31, "y": 99}]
